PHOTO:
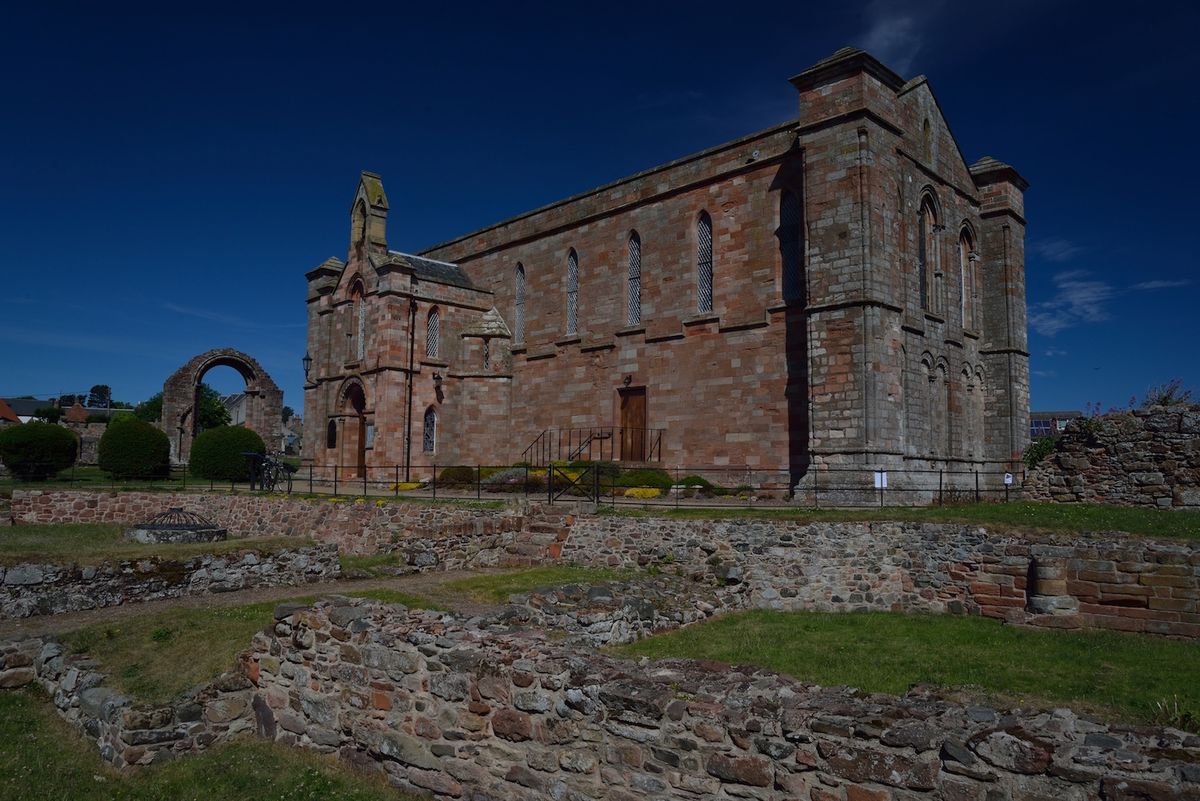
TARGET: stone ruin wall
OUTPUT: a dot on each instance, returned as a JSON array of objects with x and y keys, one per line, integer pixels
[
  {"x": 35, "y": 588},
  {"x": 1147, "y": 457},
  {"x": 446, "y": 708},
  {"x": 1111, "y": 581}
]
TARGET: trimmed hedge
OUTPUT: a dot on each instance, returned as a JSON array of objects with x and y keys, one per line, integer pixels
[
  {"x": 132, "y": 448},
  {"x": 37, "y": 451},
  {"x": 459, "y": 474},
  {"x": 217, "y": 454},
  {"x": 645, "y": 477}
]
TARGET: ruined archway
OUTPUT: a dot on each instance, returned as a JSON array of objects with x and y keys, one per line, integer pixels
[{"x": 264, "y": 400}]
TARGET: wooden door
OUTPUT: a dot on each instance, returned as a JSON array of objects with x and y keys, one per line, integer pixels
[{"x": 633, "y": 424}]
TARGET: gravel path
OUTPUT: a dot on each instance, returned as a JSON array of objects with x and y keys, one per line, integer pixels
[{"x": 429, "y": 585}]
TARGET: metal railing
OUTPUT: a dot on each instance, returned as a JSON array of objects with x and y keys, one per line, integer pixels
[
  {"x": 595, "y": 444},
  {"x": 607, "y": 483}
]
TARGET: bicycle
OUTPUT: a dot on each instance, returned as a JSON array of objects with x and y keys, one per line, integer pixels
[{"x": 269, "y": 472}]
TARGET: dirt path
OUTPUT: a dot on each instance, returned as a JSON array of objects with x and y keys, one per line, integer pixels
[{"x": 429, "y": 585}]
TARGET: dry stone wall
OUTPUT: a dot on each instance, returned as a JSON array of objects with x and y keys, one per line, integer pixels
[
  {"x": 1148, "y": 457},
  {"x": 30, "y": 589},
  {"x": 127, "y": 733},
  {"x": 442, "y": 707},
  {"x": 453, "y": 535}
]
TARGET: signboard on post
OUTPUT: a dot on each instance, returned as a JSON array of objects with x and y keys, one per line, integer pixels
[
  {"x": 1008, "y": 479},
  {"x": 880, "y": 479}
]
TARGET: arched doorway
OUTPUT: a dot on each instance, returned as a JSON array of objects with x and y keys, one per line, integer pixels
[
  {"x": 264, "y": 400},
  {"x": 353, "y": 455}
]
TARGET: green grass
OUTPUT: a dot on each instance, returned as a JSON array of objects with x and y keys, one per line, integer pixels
[
  {"x": 155, "y": 658},
  {"x": 1115, "y": 674},
  {"x": 496, "y": 587},
  {"x": 90, "y": 543},
  {"x": 94, "y": 478},
  {"x": 43, "y": 757},
  {"x": 370, "y": 564},
  {"x": 1176, "y": 524}
]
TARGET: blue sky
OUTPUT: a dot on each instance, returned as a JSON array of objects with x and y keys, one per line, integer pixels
[{"x": 167, "y": 176}]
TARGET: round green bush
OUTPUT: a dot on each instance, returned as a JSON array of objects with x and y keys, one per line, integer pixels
[
  {"x": 218, "y": 453},
  {"x": 460, "y": 474},
  {"x": 37, "y": 451},
  {"x": 645, "y": 477},
  {"x": 132, "y": 448}
]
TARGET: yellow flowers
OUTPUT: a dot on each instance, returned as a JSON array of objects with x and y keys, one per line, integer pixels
[{"x": 642, "y": 493}]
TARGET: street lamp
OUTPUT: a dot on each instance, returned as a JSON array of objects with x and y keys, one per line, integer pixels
[{"x": 307, "y": 362}]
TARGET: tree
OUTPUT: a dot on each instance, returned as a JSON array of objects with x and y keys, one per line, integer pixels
[
  {"x": 48, "y": 414},
  {"x": 210, "y": 412},
  {"x": 220, "y": 454},
  {"x": 150, "y": 409},
  {"x": 288, "y": 413},
  {"x": 100, "y": 396},
  {"x": 37, "y": 451},
  {"x": 132, "y": 448},
  {"x": 67, "y": 401}
]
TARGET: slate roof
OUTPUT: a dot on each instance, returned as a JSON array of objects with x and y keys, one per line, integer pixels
[
  {"x": 25, "y": 407},
  {"x": 490, "y": 324},
  {"x": 441, "y": 272}
]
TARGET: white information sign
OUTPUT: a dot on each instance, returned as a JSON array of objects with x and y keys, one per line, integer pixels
[
  {"x": 880, "y": 479},
  {"x": 1007, "y": 479}
]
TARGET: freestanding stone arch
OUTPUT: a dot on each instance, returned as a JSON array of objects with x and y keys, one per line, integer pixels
[{"x": 264, "y": 399}]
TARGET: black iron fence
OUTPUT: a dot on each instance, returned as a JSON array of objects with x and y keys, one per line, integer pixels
[
  {"x": 595, "y": 444},
  {"x": 611, "y": 484}
]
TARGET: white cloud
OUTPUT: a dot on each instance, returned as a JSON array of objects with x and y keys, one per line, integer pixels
[
  {"x": 1056, "y": 249},
  {"x": 1054, "y": 352},
  {"x": 1160, "y": 284},
  {"x": 225, "y": 319},
  {"x": 1080, "y": 298},
  {"x": 894, "y": 32}
]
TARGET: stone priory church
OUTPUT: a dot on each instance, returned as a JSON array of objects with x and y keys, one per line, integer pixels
[{"x": 841, "y": 290}]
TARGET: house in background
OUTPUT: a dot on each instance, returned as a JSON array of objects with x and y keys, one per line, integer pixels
[
  {"x": 235, "y": 404},
  {"x": 7, "y": 415},
  {"x": 1050, "y": 424},
  {"x": 26, "y": 408}
]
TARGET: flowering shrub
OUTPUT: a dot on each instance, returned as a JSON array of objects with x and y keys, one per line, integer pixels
[{"x": 642, "y": 493}]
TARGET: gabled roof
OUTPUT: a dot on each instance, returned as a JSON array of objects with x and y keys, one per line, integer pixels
[
  {"x": 490, "y": 324},
  {"x": 27, "y": 407},
  {"x": 440, "y": 272},
  {"x": 6, "y": 413}
]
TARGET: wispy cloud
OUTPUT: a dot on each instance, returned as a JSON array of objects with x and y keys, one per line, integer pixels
[
  {"x": 77, "y": 340},
  {"x": 1081, "y": 298},
  {"x": 1055, "y": 352},
  {"x": 1045, "y": 373},
  {"x": 225, "y": 319},
  {"x": 1160, "y": 284},
  {"x": 894, "y": 32},
  {"x": 1056, "y": 249}
]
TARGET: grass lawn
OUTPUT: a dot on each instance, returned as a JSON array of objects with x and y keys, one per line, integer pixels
[
  {"x": 1178, "y": 524},
  {"x": 43, "y": 757},
  {"x": 90, "y": 543},
  {"x": 1109, "y": 673},
  {"x": 496, "y": 587},
  {"x": 92, "y": 477},
  {"x": 156, "y": 657}
]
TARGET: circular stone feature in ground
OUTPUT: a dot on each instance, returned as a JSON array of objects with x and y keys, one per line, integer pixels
[{"x": 175, "y": 525}]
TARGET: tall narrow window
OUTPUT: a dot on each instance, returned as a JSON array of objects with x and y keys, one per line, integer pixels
[
  {"x": 927, "y": 251},
  {"x": 572, "y": 292},
  {"x": 358, "y": 338},
  {"x": 429, "y": 435},
  {"x": 331, "y": 434},
  {"x": 966, "y": 277},
  {"x": 704, "y": 263},
  {"x": 519, "y": 313},
  {"x": 927, "y": 141},
  {"x": 487, "y": 353},
  {"x": 433, "y": 334},
  {"x": 633, "y": 312},
  {"x": 790, "y": 251}
]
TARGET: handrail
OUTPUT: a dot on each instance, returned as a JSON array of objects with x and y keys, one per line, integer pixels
[{"x": 595, "y": 444}]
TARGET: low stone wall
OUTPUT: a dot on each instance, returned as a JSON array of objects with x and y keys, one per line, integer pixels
[
  {"x": 127, "y": 733},
  {"x": 455, "y": 535},
  {"x": 442, "y": 707},
  {"x": 1104, "y": 580},
  {"x": 1112, "y": 581},
  {"x": 1147, "y": 457},
  {"x": 48, "y": 589}
]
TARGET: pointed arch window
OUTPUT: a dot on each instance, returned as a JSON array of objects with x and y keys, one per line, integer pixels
[
  {"x": 927, "y": 227},
  {"x": 790, "y": 246},
  {"x": 704, "y": 263},
  {"x": 331, "y": 434},
  {"x": 429, "y": 434},
  {"x": 967, "y": 277},
  {"x": 927, "y": 141},
  {"x": 633, "y": 309},
  {"x": 433, "y": 333},
  {"x": 572, "y": 292},
  {"x": 519, "y": 312},
  {"x": 358, "y": 338}
]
